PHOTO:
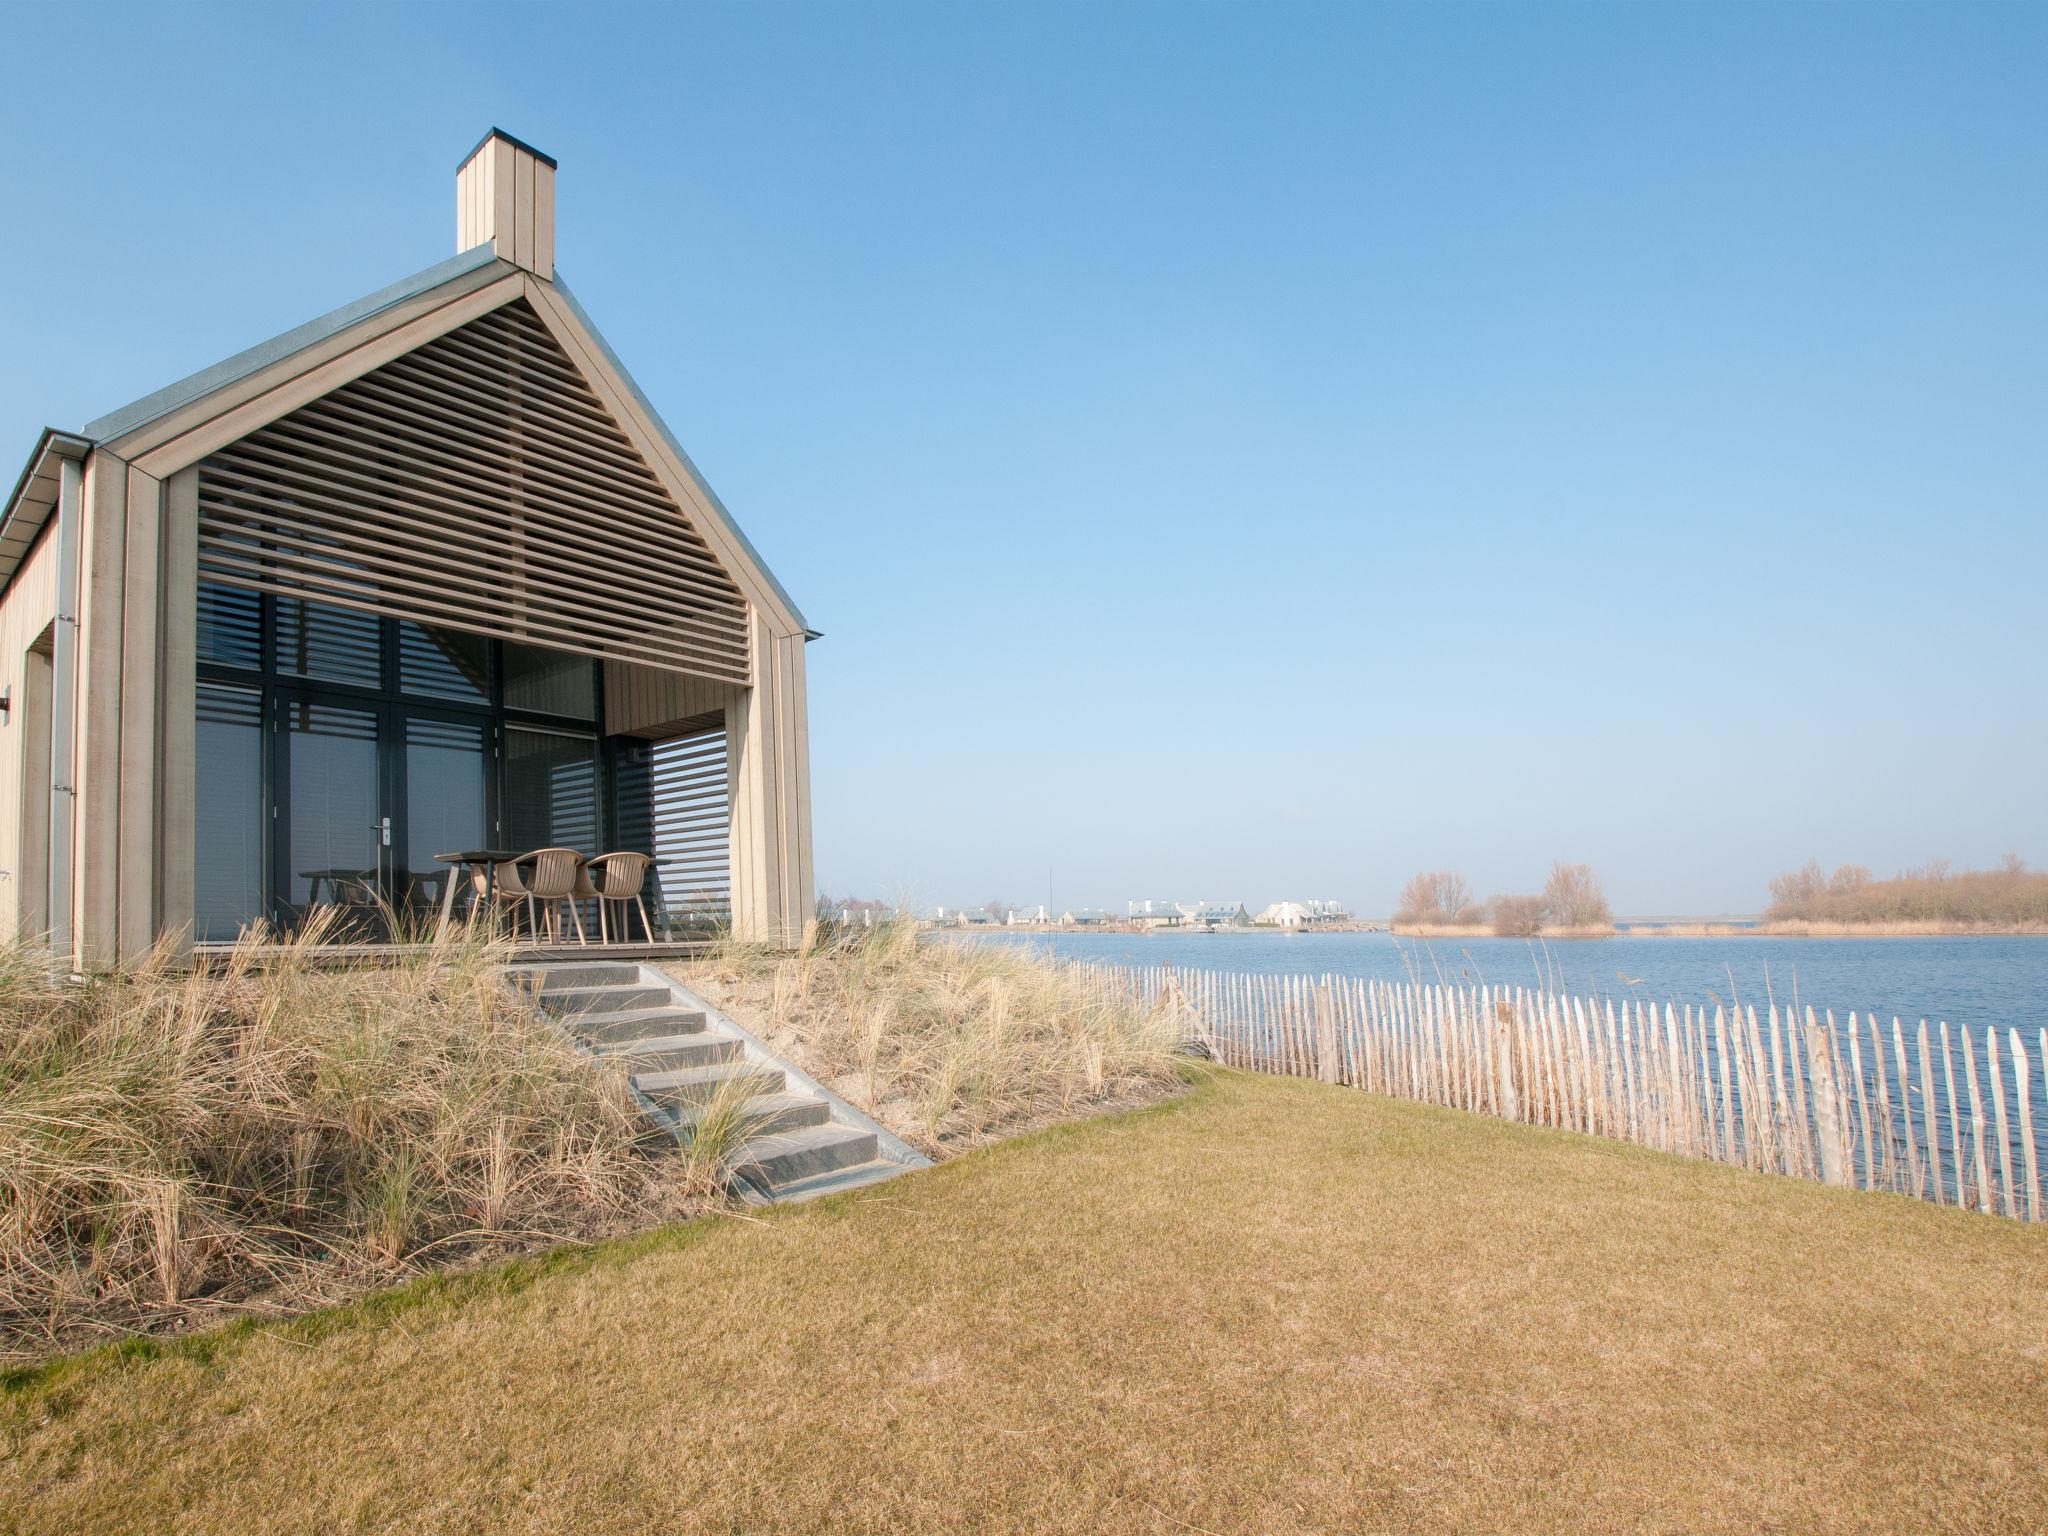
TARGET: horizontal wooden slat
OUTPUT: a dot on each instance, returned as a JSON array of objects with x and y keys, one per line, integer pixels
[
  {"x": 477, "y": 483},
  {"x": 674, "y": 803}
]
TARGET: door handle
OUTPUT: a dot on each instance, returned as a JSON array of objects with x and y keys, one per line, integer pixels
[{"x": 386, "y": 826}]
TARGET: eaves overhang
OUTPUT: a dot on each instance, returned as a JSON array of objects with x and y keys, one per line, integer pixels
[{"x": 35, "y": 496}]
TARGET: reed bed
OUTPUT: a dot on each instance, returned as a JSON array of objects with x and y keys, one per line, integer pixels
[
  {"x": 1952, "y": 1116},
  {"x": 175, "y": 1144},
  {"x": 948, "y": 1044}
]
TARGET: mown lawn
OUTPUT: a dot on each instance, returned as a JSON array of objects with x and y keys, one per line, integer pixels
[{"x": 1266, "y": 1307}]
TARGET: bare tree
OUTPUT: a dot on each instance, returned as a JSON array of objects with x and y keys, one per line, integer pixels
[
  {"x": 2008, "y": 896},
  {"x": 1518, "y": 917},
  {"x": 1442, "y": 896},
  {"x": 1794, "y": 895},
  {"x": 1848, "y": 879},
  {"x": 1572, "y": 897}
]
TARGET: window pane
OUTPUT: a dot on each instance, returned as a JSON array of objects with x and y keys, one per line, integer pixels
[
  {"x": 550, "y": 791},
  {"x": 444, "y": 799},
  {"x": 230, "y": 626},
  {"x": 335, "y": 831},
  {"x": 550, "y": 682},
  {"x": 337, "y": 644},
  {"x": 228, "y": 864},
  {"x": 443, "y": 663}
]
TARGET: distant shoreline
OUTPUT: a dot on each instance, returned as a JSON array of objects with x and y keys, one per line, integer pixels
[{"x": 1793, "y": 929}]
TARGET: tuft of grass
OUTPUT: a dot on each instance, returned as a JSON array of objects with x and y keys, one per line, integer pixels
[
  {"x": 948, "y": 1044},
  {"x": 274, "y": 1129},
  {"x": 718, "y": 1129}
]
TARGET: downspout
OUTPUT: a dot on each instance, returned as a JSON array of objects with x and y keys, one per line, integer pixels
[{"x": 63, "y": 717}]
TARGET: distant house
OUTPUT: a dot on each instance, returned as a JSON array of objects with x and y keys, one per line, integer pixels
[
  {"x": 1303, "y": 914},
  {"x": 1028, "y": 916},
  {"x": 1155, "y": 914},
  {"x": 1083, "y": 917},
  {"x": 963, "y": 917},
  {"x": 1214, "y": 915}
]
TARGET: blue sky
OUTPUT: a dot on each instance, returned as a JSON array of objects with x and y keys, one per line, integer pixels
[{"x": 1241, "y": 452}]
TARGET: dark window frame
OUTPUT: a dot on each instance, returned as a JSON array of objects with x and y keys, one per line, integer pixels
[{"x": 278, "y": 688}]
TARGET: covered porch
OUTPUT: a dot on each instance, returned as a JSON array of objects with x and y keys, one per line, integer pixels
[{"x": 380, "y": 772}]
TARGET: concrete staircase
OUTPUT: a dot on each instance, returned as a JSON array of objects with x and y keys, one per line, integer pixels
[{"x": 677, "y": 1052}]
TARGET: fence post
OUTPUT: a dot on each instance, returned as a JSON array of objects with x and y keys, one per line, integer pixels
[
  {"x": 1327, "y": 1062},
  {"x": 1827, "y": 1113}
]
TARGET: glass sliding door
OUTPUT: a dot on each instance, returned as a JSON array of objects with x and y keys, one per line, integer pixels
[
  {"x": 228, "y": 864},
  {"x": 334, "y": 833},
  {"x": 447, "y": 798},
  {"x": 550, "y": 790}
]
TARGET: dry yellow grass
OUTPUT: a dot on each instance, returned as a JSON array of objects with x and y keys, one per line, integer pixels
[
  {"x": 949, "y": 1044},
  {"x": 1267, "y": 1306},
  {"x": 1802, "y": 929},
  {"x": 177, "y": 1144}
]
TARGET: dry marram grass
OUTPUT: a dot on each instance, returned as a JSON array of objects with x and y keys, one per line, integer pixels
[
  {"x": 948, "y": 1044},
  {"x": 176, "y": 1143}
]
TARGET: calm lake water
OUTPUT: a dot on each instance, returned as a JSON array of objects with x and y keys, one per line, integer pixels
[{"x": 1973, "y": 981}]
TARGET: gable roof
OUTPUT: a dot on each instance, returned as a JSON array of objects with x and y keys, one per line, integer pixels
[
  {"x": 162, "y": 402},
  {"x": 476, "y": 274}
]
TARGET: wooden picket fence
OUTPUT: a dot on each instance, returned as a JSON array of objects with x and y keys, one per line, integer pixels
[{"x": 1922, "y": 1112}]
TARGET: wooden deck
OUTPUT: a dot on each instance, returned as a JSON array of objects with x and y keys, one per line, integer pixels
[{"x": 356, "y": 954}]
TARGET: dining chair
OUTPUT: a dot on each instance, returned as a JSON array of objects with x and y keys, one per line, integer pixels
[
  {"x": 507, "y": 883},
  {"x": 551, "y": 879},
  {"x": 618, "y": 877}
]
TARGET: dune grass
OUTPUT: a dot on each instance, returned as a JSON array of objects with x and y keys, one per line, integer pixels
[
  {"x": 1264, "y": 1306},
  {"x": 173, "y": 1143},
  {"x": 949, "y": 1044}
]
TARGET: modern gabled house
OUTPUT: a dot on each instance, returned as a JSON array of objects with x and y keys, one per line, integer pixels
[{"x": 427, "y": 573}]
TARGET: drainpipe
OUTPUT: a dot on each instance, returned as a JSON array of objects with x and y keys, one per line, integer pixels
[{"x": 63, "y": 717}]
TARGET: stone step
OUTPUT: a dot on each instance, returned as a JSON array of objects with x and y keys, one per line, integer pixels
[
  {"x": 566, "y": 1002},
  {"x": 837, "y": 1180},
  {"x": 631, "y": 1024},
  {"x": 693, "y": 1085},
  {"x": 792, "y": 1155},
  {"x": 651, "y": 1053},
  {"x": 551, "y": 977},
  {"x": 704, "y": 1051},
  {"x": 765, "y": 1114}
]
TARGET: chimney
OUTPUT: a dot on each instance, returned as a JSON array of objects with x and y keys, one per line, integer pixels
[{"x": 505, "y": 198}]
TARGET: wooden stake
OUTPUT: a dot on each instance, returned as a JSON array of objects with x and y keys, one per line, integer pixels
[
  {"x": 2021, "y": 1089},
  {"x": 1826, "y": 1102},
  {"x": 1927, "y": 1112},
  {"x": 1862, "y": 1104},
  {"x": 1998, "y": 1107},
  {"x": 1983, "y": 1168},
  {"x": 1906, "y": 1106}
]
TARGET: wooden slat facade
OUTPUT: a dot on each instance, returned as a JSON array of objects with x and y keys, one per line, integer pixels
[{"x": 476, "y": 483}]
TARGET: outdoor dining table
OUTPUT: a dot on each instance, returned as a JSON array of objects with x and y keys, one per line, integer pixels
[
  {"x": 488, "y": 859},
  {"x": 340, "y": 883}
]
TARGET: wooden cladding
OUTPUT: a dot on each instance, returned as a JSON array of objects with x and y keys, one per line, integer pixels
[{"x": 478, "y": 483}]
